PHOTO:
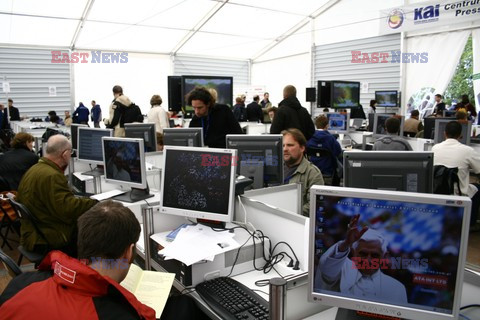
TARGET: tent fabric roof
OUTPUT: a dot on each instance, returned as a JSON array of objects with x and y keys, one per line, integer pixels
[{"x": 240, "y": 29}]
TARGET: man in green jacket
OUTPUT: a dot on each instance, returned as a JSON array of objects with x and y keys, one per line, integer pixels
[
  {"x": 45, "y": 192},
  {"x": 297, "y": 168}
]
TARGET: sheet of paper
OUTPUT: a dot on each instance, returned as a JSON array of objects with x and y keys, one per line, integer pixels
[{"x": 152, "y": 288}]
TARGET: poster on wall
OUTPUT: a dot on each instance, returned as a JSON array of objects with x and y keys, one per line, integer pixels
[{"x": 429, "y": 14}]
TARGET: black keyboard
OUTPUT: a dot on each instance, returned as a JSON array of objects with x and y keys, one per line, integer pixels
[{"x": 230, "y": 299}]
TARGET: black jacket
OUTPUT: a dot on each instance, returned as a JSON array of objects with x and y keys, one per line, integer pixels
[
  {"x": 291, "y": 114},
  {"x": 216, "y": 125},
  {"x": 254, "y": 112},
  {"x": 14, "y": 164}
]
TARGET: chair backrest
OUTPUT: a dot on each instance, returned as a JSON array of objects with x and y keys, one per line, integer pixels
[
  {"x": 445, "y": 179},
  {"x": 24, "y": 213},
  {"x": 12, "y": 268},
  {"x": 325, "y": 153}
]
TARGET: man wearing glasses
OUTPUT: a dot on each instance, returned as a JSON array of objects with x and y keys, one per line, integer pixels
[{"x": 45, "y": 192}]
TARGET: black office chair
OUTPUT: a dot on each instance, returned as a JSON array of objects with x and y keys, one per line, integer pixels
[
  {"x": 445, "y": 180},
  {"x": 325, "y": 153},
  {"x": 26, "y": 215},
  {"x": 10, "y": 265},
  {"x": 8, "y": 221}
]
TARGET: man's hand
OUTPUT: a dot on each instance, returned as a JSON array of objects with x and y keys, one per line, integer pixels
[{"x": 353, "y": 234}]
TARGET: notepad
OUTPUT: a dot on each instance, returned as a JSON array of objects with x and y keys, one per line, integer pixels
[
  {"x": 149, "y": 287},
  {"x": 107, "y": 195}
]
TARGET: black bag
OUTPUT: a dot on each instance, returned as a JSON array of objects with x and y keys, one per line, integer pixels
[
  {"x": 444, "y": 180},
  {"x": 132, "y": 114}
]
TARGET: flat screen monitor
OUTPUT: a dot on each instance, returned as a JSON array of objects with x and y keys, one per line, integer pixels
[
  {"x": 74, "y": 134},
  {"x": 90, "y": 144},
  {"x": 145, "y": 131},
  {"x": 389, "y": 170},
  {"x": 198, "y": 182},
  {"x": 406, "y": 259},
  {"x": 429, "y": 126},
  {"x": 255, "y": 151},
  {"x": 183, "y": 137},
  {"x": 387, "y": 98},
  {"x": 124, "y": 163},
  {"x": 338, "y": 122},
  {"x": 345, "y": 94},
  {"x": 223, "y": 86},
  {"x": 440, "y": 131},
  {"x": 379, "y": 124}
]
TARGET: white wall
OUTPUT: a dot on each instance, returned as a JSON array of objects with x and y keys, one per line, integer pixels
[
  {"x": 141, "y": 77},
  {"x": 276, "y": 74}
]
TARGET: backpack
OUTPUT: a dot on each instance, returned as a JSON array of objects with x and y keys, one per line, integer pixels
[
  {"x": 444, "y": 180},
  {"x": 132, "y": 114}
]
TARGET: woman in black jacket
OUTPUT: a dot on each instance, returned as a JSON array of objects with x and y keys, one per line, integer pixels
[{"x": 15, "y": 162}]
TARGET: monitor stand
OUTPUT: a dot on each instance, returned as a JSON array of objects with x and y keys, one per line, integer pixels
[
  {"x": 97, "y": 172},
  {"x": 134, "y": 195},
  {"x": 347, "y": 314},
  {"x": 252, "y": 169}
]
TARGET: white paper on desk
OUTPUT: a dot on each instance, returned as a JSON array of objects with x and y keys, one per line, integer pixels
[{"x": 196, "y": 243}]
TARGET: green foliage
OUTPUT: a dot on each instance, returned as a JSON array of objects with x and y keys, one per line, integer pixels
[{"x": 462, "y": 82}]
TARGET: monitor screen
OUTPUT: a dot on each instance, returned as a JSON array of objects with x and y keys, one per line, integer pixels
[
  {"x": 440, "y": 131},
  {"x": 90, "y": 144},
  {"x": 429, "y": 126},
  {"x": 395, "y": 254},
  {"x": 223, "y": 86},
  {"x": 145, "y": 131},
  {"x": 184, "y": 137},
  {"x": 386, "y": 98},
  {"x": 259, "y": 150},
  {"x": 124, "y": 161},
  {"x": 379, "y": 124},
  {"x": 338, "y": 122},
  {"x": 389, "y": 170},
  {"x": 345, "y": 94},
  {"x": 198, "y": 182},
  {"x": 74, "y": 134}
]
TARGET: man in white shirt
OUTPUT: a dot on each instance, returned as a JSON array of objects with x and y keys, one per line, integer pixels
[
  {"x": 337, "y": 272},
  {"x": 453, "y": 154}
]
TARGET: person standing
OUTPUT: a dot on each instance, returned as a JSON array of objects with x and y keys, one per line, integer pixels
[
  {"x": 116, "y": 111},
  {"x": 81, "y": 114},
  {"x": 96, "y": 114},
  {"x": 14, "y": 113},
  {"x": 254, "y": 110},
  {"x": 157, "y": 114},
  {"x": 291, "y": 114}
]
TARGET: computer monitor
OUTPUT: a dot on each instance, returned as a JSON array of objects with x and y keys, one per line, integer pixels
[
  {"x": 145, "y": 131},
  {"x": 379, "y": 124},
  {"x": 184, "y": 137},
  {"x": 223, "y": 86},
  {"x": 74, "y": 134},
  {"x": 389, "y": 170},
  {"x": 124, "y": 162},
  {"x": 198, "y": 182},
  {"x": 440, "y": 131},
  {"x": 429, "y": 126},
  {"x": 259, "y": 152},
  {"x": 449, "y": 113},
  {"x": 408, "y": 263},
  {"x": 345, "y": 94},
  {"x": 89, "y": 145},
  {"x": 338, "y": 122},
  {"x": 387, "y": 98}
]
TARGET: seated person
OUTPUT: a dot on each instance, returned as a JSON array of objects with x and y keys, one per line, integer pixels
[
  {"x": 297, "y": 168},
  {"x": 412, "y": 124},
  {"x": 88, "y": 288},
  {"x": 14, "y": 163},
  {"x": 461, "y": 116},
  {"x": 392, "y": 141},
  {"x": 45, "y": 192},
  {"x": 325, "y": 140}
]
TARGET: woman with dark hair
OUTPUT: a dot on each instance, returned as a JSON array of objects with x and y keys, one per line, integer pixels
[
  {"x": 14, "y": 163},
  {"x": 373, "y": 106}
]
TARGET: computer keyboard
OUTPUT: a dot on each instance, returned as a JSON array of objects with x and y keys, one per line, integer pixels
[
  {"x": 107, "y": 195},
  {"x": 232, "y": 300}
]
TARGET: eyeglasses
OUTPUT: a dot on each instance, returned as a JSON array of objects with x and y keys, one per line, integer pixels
[{"x": 71, "y": 151}]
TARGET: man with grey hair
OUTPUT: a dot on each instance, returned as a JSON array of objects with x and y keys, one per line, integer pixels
[
  {"x": 45, "y": 192},
  {"x": 359, "y": 276}
]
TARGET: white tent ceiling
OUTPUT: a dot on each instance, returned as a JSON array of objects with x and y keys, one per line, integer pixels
[{"x": 243, "y": 29}]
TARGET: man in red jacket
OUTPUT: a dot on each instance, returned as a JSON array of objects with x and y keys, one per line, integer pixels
[{"x": 67, "y": 288}]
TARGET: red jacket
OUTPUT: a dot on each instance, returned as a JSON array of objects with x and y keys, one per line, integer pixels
[{"x": 64, "y": 288}]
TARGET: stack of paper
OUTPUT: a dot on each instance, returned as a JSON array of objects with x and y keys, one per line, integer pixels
[{"x": 198, "y": 242}]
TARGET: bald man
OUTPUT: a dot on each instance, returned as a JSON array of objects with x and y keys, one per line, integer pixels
[{"x": 45, "y": 192}]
